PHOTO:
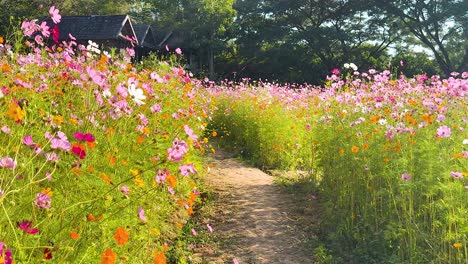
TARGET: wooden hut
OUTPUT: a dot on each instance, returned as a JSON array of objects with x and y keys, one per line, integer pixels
[
  {"x": 146, "y": 40},
  {"x": 107, "y": 31}
]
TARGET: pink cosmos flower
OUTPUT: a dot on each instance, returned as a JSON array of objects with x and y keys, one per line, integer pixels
[
  {"x": 456, "y": 174},
  {"x": 170, "y": 190},
  {"x": 444, "y": 131},
  {"x": 125, "y": 190},
  {"x": 6, "y": 130},
  {"x": 7, "y": 162},
  {"x": 44, "y": 29},
  {"x": 48, "y": 176},
  {"x": 29, "y": 27},
  {"x": 235, "y": 261},
  {"x": 178, "y": 150},
  {"x": 186, "y": 169},
  {"x": 42, "y": 201},
  {"x": 57, "y": 143},
  {"x": 26, "y": 226},
  {"x": 161, "y": 176},
  {"x": 335, "y": 71},
  {"x": 190, "y": 133},
  {"x": 178, "y": 51},
  {"x": 130, "y": 51},
  {"x": 52, "y": 156},
  {"x": 55, "y": 15},
  {"x": 194, "y": 232},
  {"x": 406, "y": 177},
  {"x": 209, "y": 228},
  {"x": 39, "y": 40},
  {"x": 141, "y": 214},
  {"x": 155, "y": 108},
  {"x": 28, "y": 141}
]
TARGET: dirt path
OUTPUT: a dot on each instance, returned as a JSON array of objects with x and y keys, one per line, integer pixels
[{"x": 255, "y": 221}]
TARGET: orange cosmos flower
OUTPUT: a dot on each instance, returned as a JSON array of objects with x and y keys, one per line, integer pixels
[
  {"x": 108, "y": 257},
  {"x": 106, "y": 178},
  {"x": 76, "y": 170},
  {"x": 74, "y": 235},
  {"x": 121, "y": 236},
  {"x": 159, "y": 257},
  {"x": 457, "y": 245},
  {"x": 91, "y": 217},
  {"x": 91, "y": 145},
  {"x": 355, "y": 149},
  {"x": 47, "y": 191},
  {"x": 16, "y": 112},
  {"x": 190, "y": 210},
  {"x": 6, "y": 68},
  {"x": 140, "y": 139},
  {"x": 111, "y": 159},
  {"x": 172, "y": 180}
]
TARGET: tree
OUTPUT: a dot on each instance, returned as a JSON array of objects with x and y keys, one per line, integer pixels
[
  {"x": 203, "y": 23},
  {"x": 316, "y": 35},
  {"x": 438, "y": 25}
]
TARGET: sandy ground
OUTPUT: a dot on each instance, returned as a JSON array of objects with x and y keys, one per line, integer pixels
[{"x": 255, "y": 221}]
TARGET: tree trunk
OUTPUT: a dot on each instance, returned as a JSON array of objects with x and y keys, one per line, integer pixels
[{"x": 211, "y": 63}]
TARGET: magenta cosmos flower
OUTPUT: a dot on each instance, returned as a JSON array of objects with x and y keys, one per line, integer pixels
[
  {"x": 84, "y": 137},
  {"x": 26, "y": 226},
  {"x": 5, "y": 254}
]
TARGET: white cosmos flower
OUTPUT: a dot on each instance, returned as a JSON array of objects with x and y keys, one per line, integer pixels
[
  {"x": 465, "y": 141},
  {"x": 350, "y": 65},
  {"x": 136, "y": 94}
]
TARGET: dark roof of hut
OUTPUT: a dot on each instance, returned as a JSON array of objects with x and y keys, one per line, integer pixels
[
  {"x": 173, "y": 39},
  {"x": 95, "y": 27},
  {"x": 145, "y": 36}
]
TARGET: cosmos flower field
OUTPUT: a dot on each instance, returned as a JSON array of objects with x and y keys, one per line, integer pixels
[
  {"x": 386, "y": 154},
  {"x": 102, "y": 159}
]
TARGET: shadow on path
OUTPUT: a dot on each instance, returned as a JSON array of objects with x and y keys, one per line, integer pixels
[{"x": 255, "y": 220}]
